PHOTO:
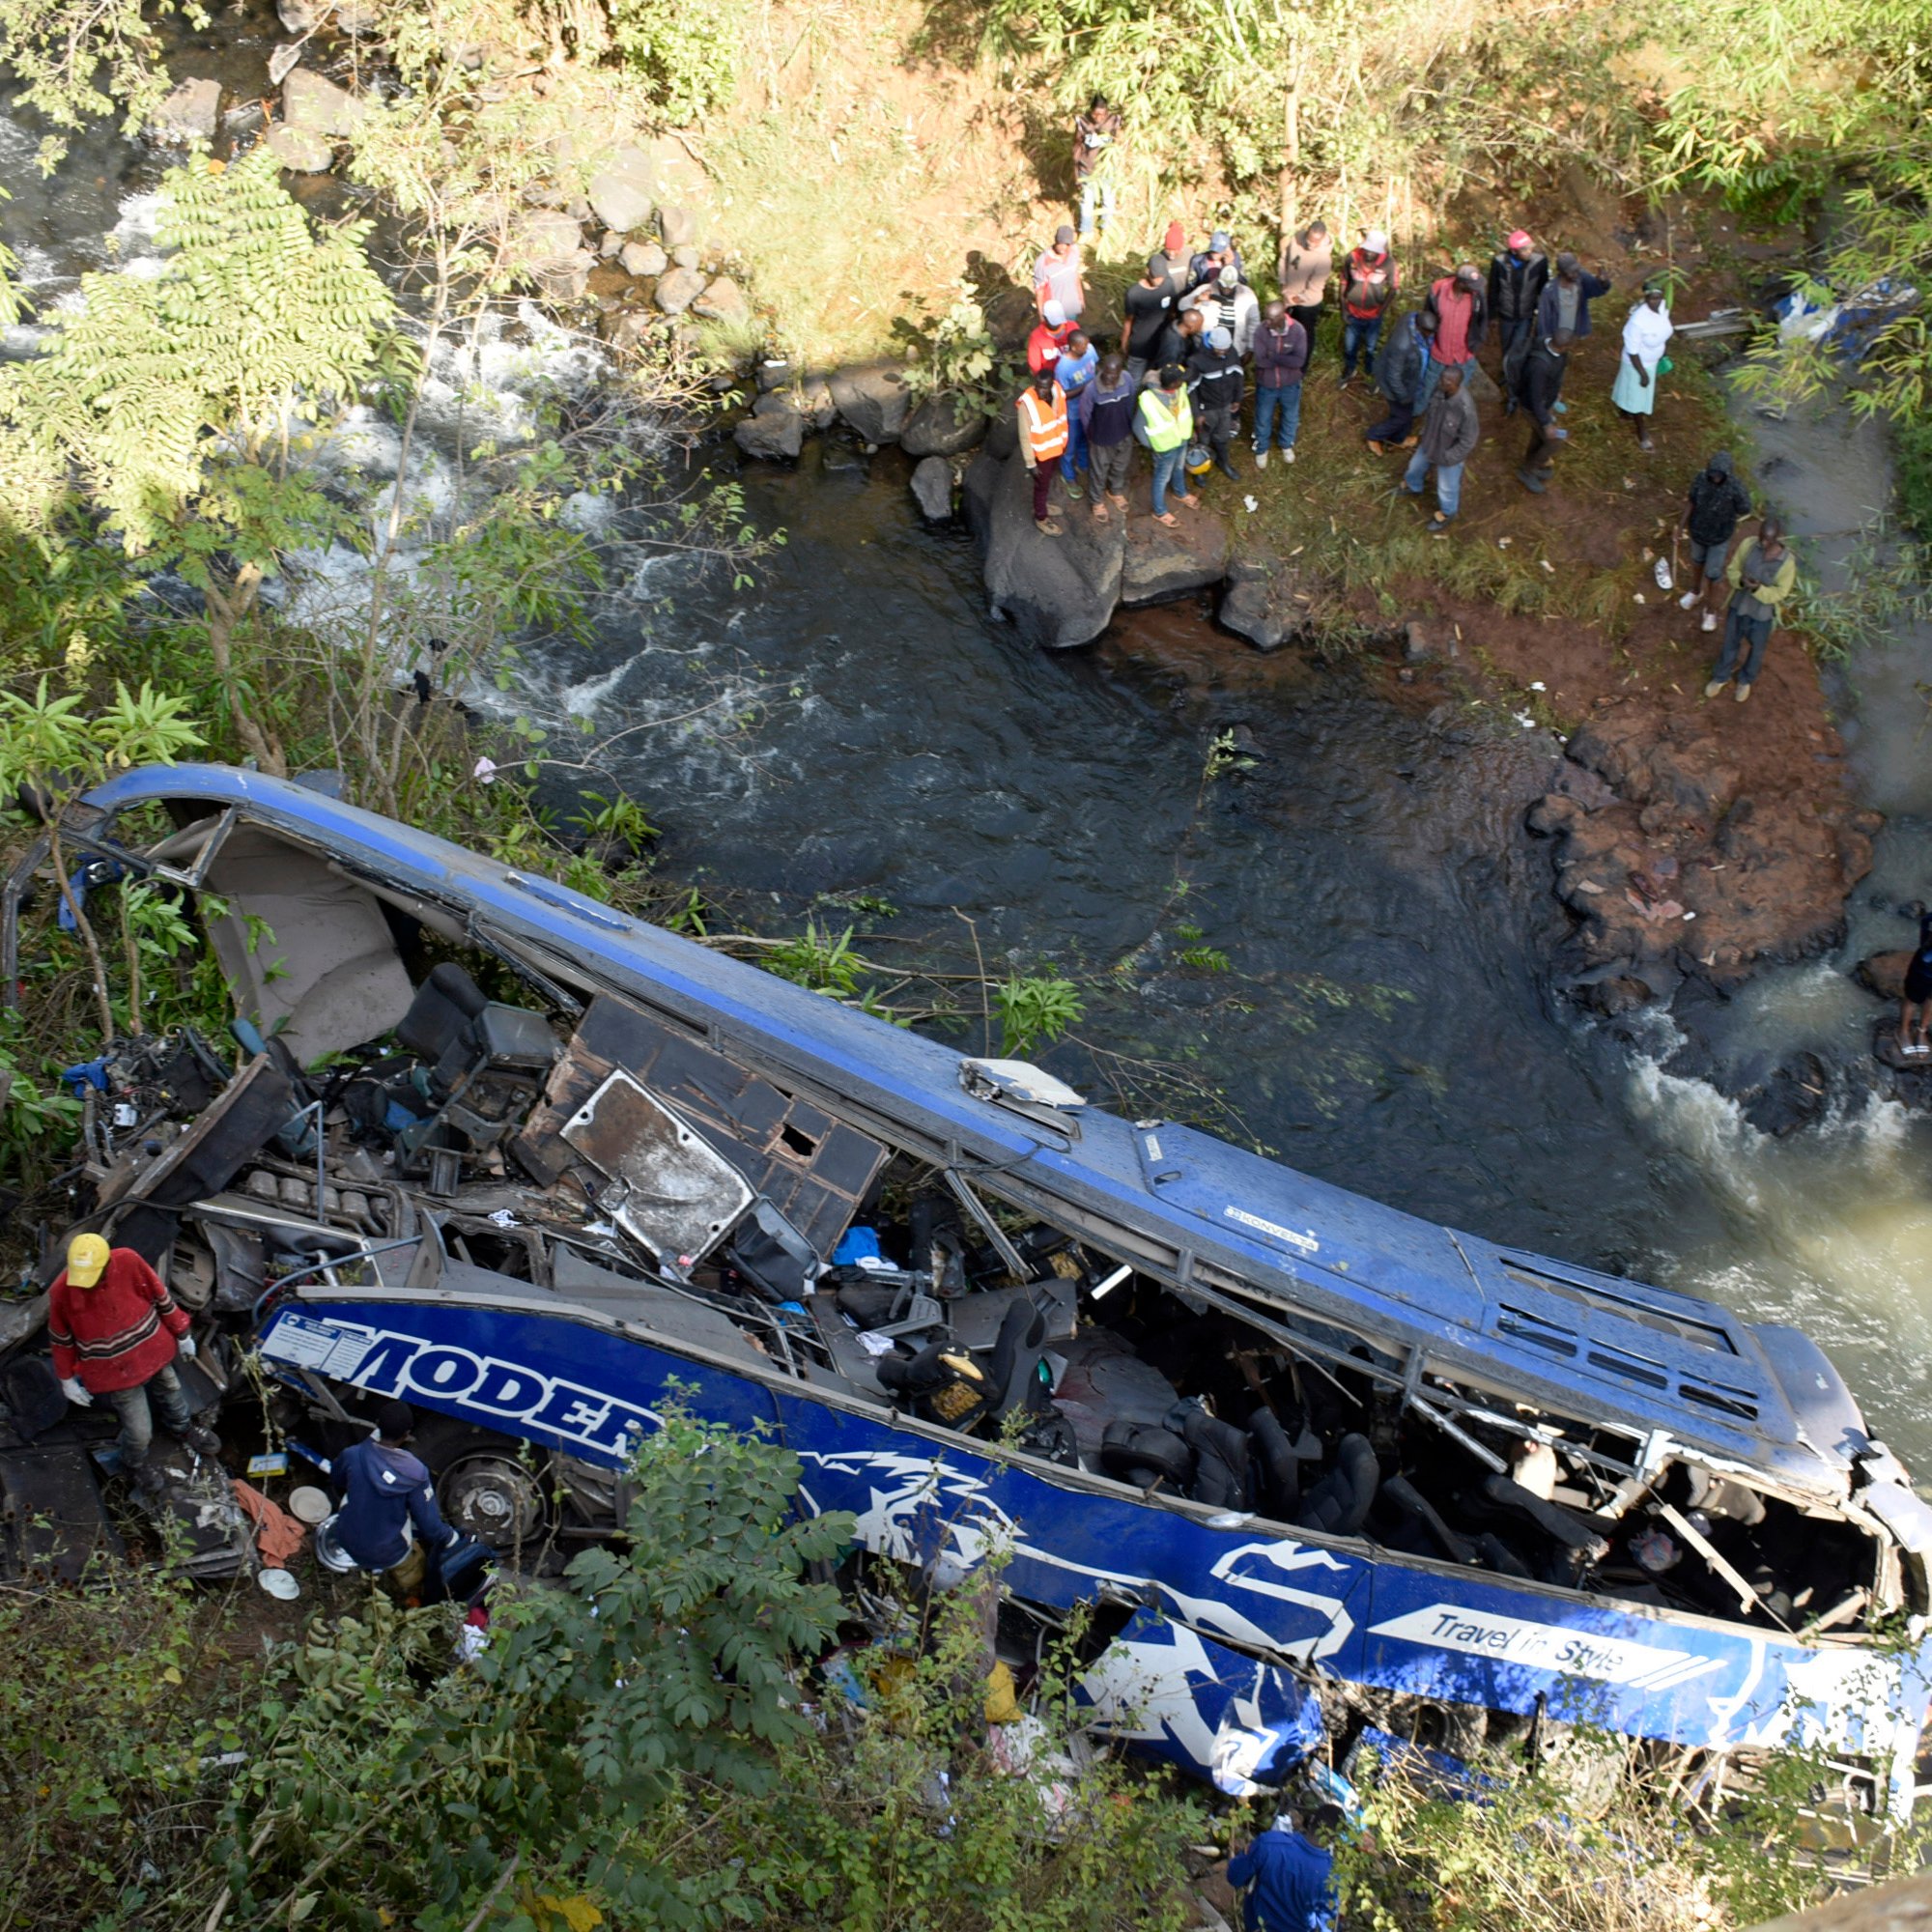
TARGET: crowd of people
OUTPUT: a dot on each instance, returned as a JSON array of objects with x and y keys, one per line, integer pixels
[{"x": 1173, "y": 372}]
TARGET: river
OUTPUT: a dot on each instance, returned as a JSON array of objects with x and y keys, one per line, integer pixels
[{"x": 855, "y": 725}]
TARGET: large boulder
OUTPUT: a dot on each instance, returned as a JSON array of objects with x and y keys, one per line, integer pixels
[
  {"x": 1162, "y": 563},
  {"x": 1883, "y": 972},
  {"x": 936, "y": 428},
  {"x": 1057, "y": 591},
  {"x": 318, "y": 106},
  {"x": 642, "y": 258},
  {"x": 774, "y": 430},
  {"x": 932, "y": 487},
  {"x": 873, "y": 399},
  {"x": 547, "y": 245},
  {"x": 723, "y": 300},
  {"x": 620, "y": 191},
  {"x": 299, "y": 150},
  {"x": 191, "y": 113},
  {"x": 1262, "y": 605},
  {"x": 679, "y": 290}
]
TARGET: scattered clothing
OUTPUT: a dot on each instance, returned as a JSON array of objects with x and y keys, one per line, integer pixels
[{"x": 279, "y": 1535}]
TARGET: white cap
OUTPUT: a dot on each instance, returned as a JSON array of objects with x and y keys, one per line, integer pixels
[
  {"x": 1053, "y": 313},
  {"x": 1375, "y": 241}
]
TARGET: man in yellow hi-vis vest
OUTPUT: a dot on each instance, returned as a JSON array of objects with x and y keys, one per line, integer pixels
[
  {"x": 1167, "y": 422},
  {"x": 1042, "y": 413}
]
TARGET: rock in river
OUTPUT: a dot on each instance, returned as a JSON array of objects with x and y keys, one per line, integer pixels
[
  {"x": 1163, "y": 564},
  {"x": 774, "y": 430},
  {"x": 1057, "y": 591},
  {"x": 679, "y": 290},
  {"x": 319, "y": 105},
  {"x": 299, "y": 150},
  {"x": 191, "y": 113},
  {"x": 932, "y": 487},
  {"x": 642, "y": 258},
  {"x": 936, "y": 428},
  {"x": 873, "y": 401}
]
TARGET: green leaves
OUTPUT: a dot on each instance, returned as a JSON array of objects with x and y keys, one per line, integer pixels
[
  {"x": 58, "y": 744},
  {"x": 148, "y": 382}
]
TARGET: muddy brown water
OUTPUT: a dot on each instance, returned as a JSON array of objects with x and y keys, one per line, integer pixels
[{"x": 855, "y": 725}]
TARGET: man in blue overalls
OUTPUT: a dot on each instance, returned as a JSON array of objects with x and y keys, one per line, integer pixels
[{"x": 384, "y": 1489}]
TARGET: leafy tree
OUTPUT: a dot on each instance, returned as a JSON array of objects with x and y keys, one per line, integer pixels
[
  {"x": 170, "y": 402},
  {"x": 56, "y": 747},
  {"x": 76, "y": 63}
]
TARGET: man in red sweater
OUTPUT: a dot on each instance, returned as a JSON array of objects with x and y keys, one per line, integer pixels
[{"x": 116, "y": 1331}]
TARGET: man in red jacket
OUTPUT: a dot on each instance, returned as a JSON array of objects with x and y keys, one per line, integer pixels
[{"x": 116, "y": 1331}]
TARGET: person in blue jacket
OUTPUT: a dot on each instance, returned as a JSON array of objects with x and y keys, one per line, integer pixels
[
  {"x": 1290, "y": 1876},
  {"x": 385, "y": 1489}
]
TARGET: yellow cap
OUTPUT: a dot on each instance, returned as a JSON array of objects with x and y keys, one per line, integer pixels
[{"x": 86, "y": 1259}]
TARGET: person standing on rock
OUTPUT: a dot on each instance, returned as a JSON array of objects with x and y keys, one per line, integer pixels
[
  {"x": 1075, "y": 370},
  {"x": 1048, "y": 338},
  {"x": 1307, "y": 260},
  {"x": 1146, "y": 311},
  {"x": 1096, "y": 143},
  {"x": 1462, "y": 313},
  {"x": 1042, "y": 413},
  {"x": 1368, "y": 287},
  {"x": 1056, "y": 276},
  {"x": 1167, "y": 427},
  {"x": 1762, "y": 575},
  {"x": 1403, "y": 376},
  {"x": 1228, "y": 303},
  {"x": 1281, "y": 356},
  {"x": 1517, "y": 276},
  {"x": 1645, "y": 332},
  {"x": 1214, "y": 384},
  {"x": 1718, "y": 503},
  {"x": 1566, "y": 304},
  {"x": 1105, "y": 413},
  {"x": 1539, "y": 382},
  {"x": 1450, "y": 433}
]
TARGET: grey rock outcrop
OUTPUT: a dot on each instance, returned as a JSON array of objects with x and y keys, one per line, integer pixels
[
  {"x": 936, "y": 429},
  {"x": 686, "y": 256},
  {"x": 932, "y": 487},
  {"x": 318, "y": 106},
  {"x": 1057, "y": 591},
  {"x": 723, "y": 300},
  {"x": 678, "y": 226},
  {"x": 1260, "y": 605},
  {"x": 300, "y": 17},
  {"x": 679, "y": 290},
  {"x": 191, "y": 113},
  {"x": 1162, "y": 563},
  {"x": 620, "y": 191},
  {"x": 873, "y": 401},
  {"x": 642, "y": 258},
  {"x": 299, "y": 150},
  {"x": 774, "y": 430}
]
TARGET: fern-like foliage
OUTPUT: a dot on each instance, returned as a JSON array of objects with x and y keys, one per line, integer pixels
[{"x": 148, "y": 380}]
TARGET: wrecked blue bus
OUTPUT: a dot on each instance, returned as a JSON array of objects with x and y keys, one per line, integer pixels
[{"x": 538, "y": 1167}]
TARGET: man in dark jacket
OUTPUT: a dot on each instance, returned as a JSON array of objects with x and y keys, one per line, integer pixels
[
  {"x": 1517, "y": 276},
  {"x": 1450, "y": 432},
  {"x": 1290, "y": 1875},
  {"x": 1281, "y": 354},
  {"x": 1220, "y": 253},
  {"x": 384, "y": 1489},
  {"x": 1718, "y": 500},
  {"x": 1540, "y": 378},
  {"x": 1106, "y": 411},
  {"x": 1564, "y": 303},
  {"x": 1146, "y": 311},
  {"x": 1402, "y": 374},
  {"x": 1186, "y": 330},
  {"x": 1214, "y": 385}
]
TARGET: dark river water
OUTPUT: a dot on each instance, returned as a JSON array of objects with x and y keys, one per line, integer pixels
[{"x": 855, "y": 725}]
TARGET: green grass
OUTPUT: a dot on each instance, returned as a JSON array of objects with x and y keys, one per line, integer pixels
[{"x": 1912, "y": 446}]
